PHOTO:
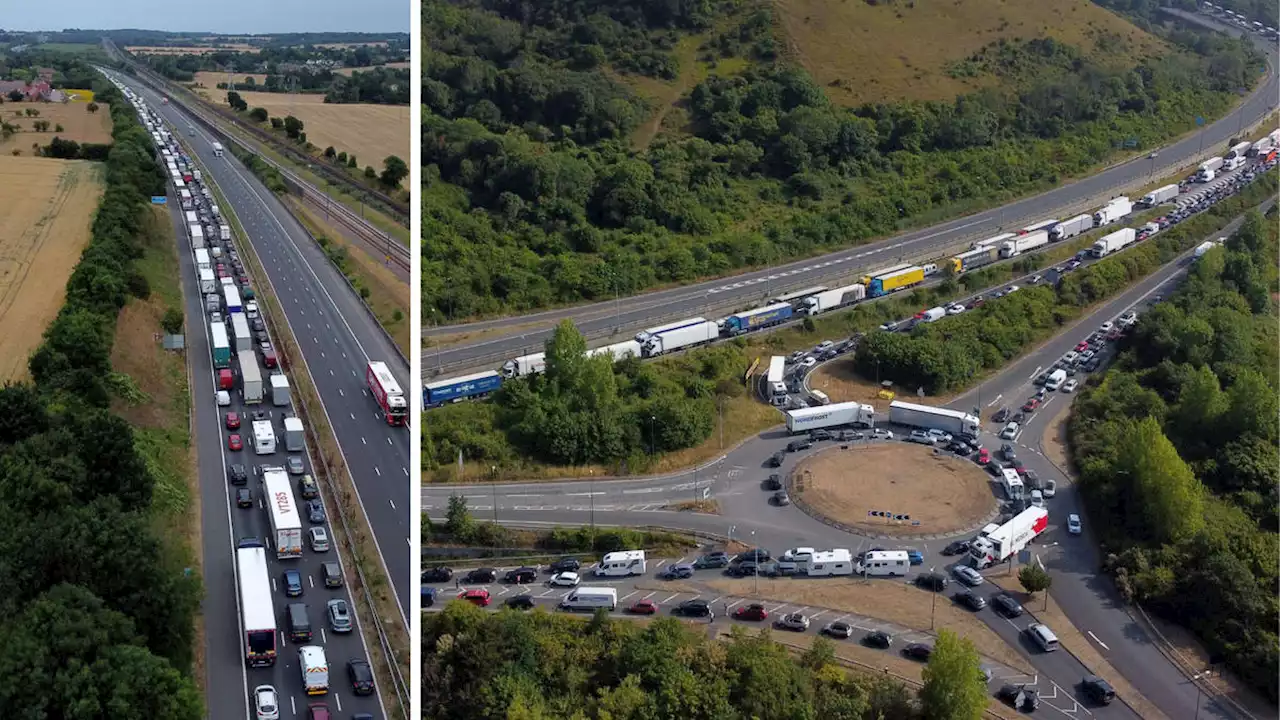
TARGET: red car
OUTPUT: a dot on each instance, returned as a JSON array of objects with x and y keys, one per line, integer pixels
[
  {"x": 1031, "y": 405},
  {"x": 751, "y": 612},
  {"x": 222, "y": 273},
  {"x": 234, "y": 442},
  {"x": 1084, "y": 345},
  {"x": 643, "y": 607},
  {"x": 1020, "y": 468},
  {"x": 984, "y": 456},
  {"x": 978, "y": 302},
  {"x": 233, "y": 421},
  {"x": 476, "y": 597}
]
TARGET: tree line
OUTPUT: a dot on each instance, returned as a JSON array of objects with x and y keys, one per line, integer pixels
[
  {"x": 1176, "y": 448},
  {"x": 534, "y": 194},
  {"x": 95, "y": 621},
  {"x": 953, "y": 353},
  {"x": 545, "y": 666}
]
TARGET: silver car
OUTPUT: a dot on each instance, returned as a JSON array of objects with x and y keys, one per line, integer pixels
[
  {"x": 339, "y": 616},
  {"x": 266, "y": 705},
  {"x": 968, "y": 575},
  {"x": 319, "y": 539},
  {"x": 295, "y": 465}
]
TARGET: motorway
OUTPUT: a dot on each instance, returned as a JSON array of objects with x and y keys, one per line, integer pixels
[
  {"x": 734, "y": 482},
  {"x": 495, "y": 341}
]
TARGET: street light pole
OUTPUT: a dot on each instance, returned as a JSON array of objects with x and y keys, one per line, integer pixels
[
  {"x": 494, "y": 487},
  {"x": 757, "y": 554},
  {"x": 933, "y": 606},
  {"x": 1207, "y": 672}
]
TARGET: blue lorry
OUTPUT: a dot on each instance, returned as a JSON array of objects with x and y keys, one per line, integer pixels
[
  {"x": 758, "y": 318},
  {"x": 461, "y": 388}
]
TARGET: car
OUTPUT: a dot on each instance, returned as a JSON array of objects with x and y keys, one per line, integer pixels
[
  {"x": 1074, "y": 265},
  {"x": 776, "y": 459},
  {"x": 1082, "y": 346},
  {"x": 882, "y": 434},
  {"x": 224, "y": 398},
  {"x": 361, "y": 676},
  {"x": 1004, "y": 604},
  {"x": 481, "y": 576},
  {"x": 565, "y": 579},
  {"x": 754, "y": 612},
  {"x": 339, "y": 615},
  {"x": 437, "y": 574},
  {"x": 332, "y": 574},
  {"x": 957, "y": 547},
  {"x": 1092, "y": 365},
  {"x": 808, "y": 362},
  {"x": 1032, "y": 480},
  {"x": 970, "y": 599},
  {"x": 308, "y": 488},
  {"x": 643, "y": 607},
  {"x": 1031, "y": 405},
  {"x": 233, "y": 423},
  {"x": 1071, "y": 357},
  {"x": 984, "y": 456},
  {"x": 819, "y": 435},
  {"x": 940, "y": 436},
  {"x": 1073, "y": 524},
  {"x": 1001, "y": 415},
  {"x": 955, "y": 309},
  {"x": 1128, "y": 318},
  {"x": 922, "y": 437},
  {"x": 1035, "y": 279},
  {"x": 319, "y": 539},
  {"x": 244, "y": 498},
  {"x": 838, "y": 629},
  {"x": 936, "y": 582},
  {"x": 1019, "y": 697},
  {"x": 918, "y": 651},
  {"x": 1070, "y": 386},
  {"x": 1088, "y": 355},
  {"x": 795, "y": 622},
  {"x": 315, "y": 511},
  {"x": 774, "y": 482},
  {"x": 679, "y": 571},
  {"x": 476, "y": 596},
  {"x": 1050, "y": 488},
  {"x": 257, "y": 325},
  {"x": 294, "y": 465},
  {"x": 960, "y": 448},
  {"x": 522, "y": 575},
  {"x": 1011, "y": 289},
  {"x": 520, "y": 602},
  {"x": 428, "y": 596},
  {"x": 877, "y": 639},
  {"x": 714, "y": 559},
  {"x": 968, "y": 575},
  {"x": 266, "y": 704},
  {"x": 1019, "y": 468},
  {"x": 1098, "y": 690},
  {"x": 1010, "y": 431},
  {"x": 798, "y": 445},
  {"x": 572, "y": 564},
  {"x": 1007, "y": 451},
  {"x": 781, "y": 498},
  {"x": 292, "y": 583},
  {"x": 692, "y": 608}
]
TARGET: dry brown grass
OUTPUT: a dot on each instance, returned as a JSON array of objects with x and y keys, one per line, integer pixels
[
  {"x": 77, "y": 124},
  {"x": 842, "y": 383},
  {"x": 48, "y": 208},
  {"x": 348, "y": 71},
  {"x": 210, "y": 80},
  {"x": 941, "y": 492},
  {"x": 344, "y": 46},
  {"x": 890, "y": 51},
  {"x": 894, "y": 602}
]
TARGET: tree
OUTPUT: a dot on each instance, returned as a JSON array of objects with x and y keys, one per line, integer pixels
[
  {"x": 394, "y": 170},
  {"x": 1168, "y": 499},
  {"x": 292, "y": 126},
  {"x": 1034, "y": 578},
  {"x": 15, "y": 96},
  {"x": 330, "y": 153},
  {"x": 236, "y": 102},
  {"x": 459, "y": 524},
  {"x": 91, "y": 107},
  {"x": 370, "y": 173},
  {"x": 954, "y": 688},
  {"x": 259, "y": 114},
  {"x": 277, "y": 123},
  {"x": 172, "y": 321},
  {"x": 351, "y": 162}
]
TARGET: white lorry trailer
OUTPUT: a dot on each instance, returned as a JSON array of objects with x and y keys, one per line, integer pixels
[
  {"x": 689, "y": 333},
  {"x": 217, "y": 149},
  {"x": 1239, "y": 150},
  {"x": 1159, "y": 195},
  {"x": 286, "y": 522},
  {"x": 832, "y": 299},
  {"x": 525, "y": 365},
  {"x": 202, "y": 260},
  {"x": 293, "y": 440},
  {"x": 828, "y": 416},
  {"x": 240, "y": 329},
  {"x": 777, "y": 388},
  {"x": 997, "y": 543},
  {"x": 1115, "y": 210},
  {"x": 209, "y": 283},
  {"x": 933, "y": 418},
  {"x": 1203, "y": 248},
  {"x": 250, "y": 376},
  {"x": 1023, "y": 243},
  {"x": 1209, "y": 169},
  {"x": 1113, "y": 242},
  {"x": 197, "y": 236},
  {"x": 823, "y": 563},
  {"x": 279, "y": 390},
  {"x": 618, "y": 351},
  {"x": 1068, "y": 229}
]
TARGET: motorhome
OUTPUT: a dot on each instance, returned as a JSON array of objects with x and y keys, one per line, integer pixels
[
  {"x": 621, "y": 564},
  {"x": 884, "y": 563}
]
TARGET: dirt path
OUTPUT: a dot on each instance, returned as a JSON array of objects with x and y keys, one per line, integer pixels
[{"x": 666, "y": 95}]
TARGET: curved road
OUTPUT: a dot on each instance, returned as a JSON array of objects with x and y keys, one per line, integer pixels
[
  {"x": 502, "y": 339},
  {"x": 734, "y": 481}
]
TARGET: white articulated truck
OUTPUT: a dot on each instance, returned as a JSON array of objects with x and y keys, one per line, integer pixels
[
  {"x": 525, "y": 365},
  {"x": 1209, "y": 169},
  {"x": 197, "y": 236},
  {"x": 286, "y": 522},
  {"x": 293, "y": 440},
  {"x": 1024, "y": 243},
  {"x": 832, "y": 299},
  {"x": 828, "y": 416},
  {"x": 617, "y": 351},
  {"x": 1113, "y": 242},
  {"x": 1239, "y": 150},
  {"x": 688, "y": 333},
  {"x": 1159, "y": 195},
  {"x": 1068, "y": 229},
  {"x": 997, "y": 543},
  {"x": 933, "y": 418},
  {"x": 1115, "y": 210},
  {"x": 279, "y": 390},
  {"x": 240, "y": 330},
  {"x": 250, "y": 376},
  {"x": 217, "y": 149}
]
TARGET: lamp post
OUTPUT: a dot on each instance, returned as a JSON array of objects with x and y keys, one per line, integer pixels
[
  {"x": 1206, "y": 673},
  {"x": 591, "y": 494},
  {"x": 933, "y": 605},
  {"x": 652, "y": 419},
  {"x": 757, "y": 557},
  {"x": 494, "y": 487}
]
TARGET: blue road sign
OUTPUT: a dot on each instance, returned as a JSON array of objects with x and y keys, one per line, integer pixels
[
  {"x": 1199, "y": 120},
  {"x": 159, "y": 199}
]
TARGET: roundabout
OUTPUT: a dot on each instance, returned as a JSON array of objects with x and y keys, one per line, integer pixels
[{"x": 893, "y": 490}]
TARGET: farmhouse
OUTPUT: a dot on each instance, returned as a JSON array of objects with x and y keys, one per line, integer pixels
[{"x": 32, "y": 92}]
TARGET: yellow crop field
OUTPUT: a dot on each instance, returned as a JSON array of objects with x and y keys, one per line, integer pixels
[
  {"x": 80, "y": 96},
  {"x": 372, "y": 132},
  {"x": 77, "y": 124},
  {"x": 48, "y": 208}
]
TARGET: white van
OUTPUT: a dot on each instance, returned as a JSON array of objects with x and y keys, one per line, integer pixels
[
  {"x": 590, "y": 598},
  {"x": 315, "y": 669},
  {"x": 820, "y": 396},
  {"x": 621, "y": 564},
  {"x": 1055, "y": 379},
  {"x": 884, "y": 563},
  {"x": 1042, "y": 636},
  {"x": 264, "y": 437}
]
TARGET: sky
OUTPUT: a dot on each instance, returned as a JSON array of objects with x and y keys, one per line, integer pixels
[{"x": 221, "y": 16}]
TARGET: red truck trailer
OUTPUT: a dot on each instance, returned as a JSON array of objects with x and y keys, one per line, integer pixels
[{"x": 386, "y": 391}]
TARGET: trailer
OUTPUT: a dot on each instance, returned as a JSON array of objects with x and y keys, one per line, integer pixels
[
  {"x": 884, "y": 563},
  {"x": 847, "y": 413},
  {"x": 197, "y": 236},
  {"x": 1203, "y": 248},
  {"x": 992, "y": 241},
  {"x": 250, "y": 377},
  {"x": 460, "y": 388},
  {"x": 618, "y": 351},
  {"x": 220, "y": 345},
  {"x": 209, "y": 283},
  {"x": 866, "y": 279},
  {"x": 974, "y": 259},
  {"x": 695, "y": 331},
  {"x": 933, "y": 418},
  {"x": 997, "y": 543},
  {"x": 1115, "y": 210},
  {"x": 293, "y": 435},
  {"x": 832, "y": 299},
  {"x": 826, "y": 563},
  {"x": 525, "y": 365},
  {"x": 1023, "y": 243},
  {"x": 1113, "y": 242},
  {"x": 1068, "y": 229},
  {"x": 190, "y": 215},
  {"x": 895, "y": 281},
  {"x": 232, "y": 296},
  {"x": 202, "y": 260},
  {"x": 764, "y": 317},
  {"x": 240, "y": 332},
  {"x": 286, "y": 521},
  {"x": 1263, "y": 146},
  {"x": 1045, "y": 225},
  {"x": 1159, "y": 195},
  {"x": 792, "y": 297},
  {"x": 279, "y": 390},
  {"x": 1239, "y": 150}
]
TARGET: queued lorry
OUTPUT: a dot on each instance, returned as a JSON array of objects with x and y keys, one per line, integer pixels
[
  {"x": 286, "y": 522},
  {"x": 766, "y": 316},
  {"x": 1203, "y": 248},
  {"x": 279, "y": 390},
  {"x": 1068, "y": 229},
  {"x": 1113, "y": 211},
  {"x": 197, "y": 236},
  {"x": 1159, "y": 195},
  {"x": 217, "y": 149},
  {"x": 828, "y": 416},
  {"x": 997, "y": 543},
  {"x": 1113, "y": 242},
  {"x": 831, "y": 299},
  {"x": 459, "y": 388},
  {"x": 975, "y": 258},
  {"x": 240, "y": 329},
  {"x": 220, "y": 344},
  {"x": 1209, "y": 169},
  {"x": 933, "y": 418},
  {"x": 386, "y": 392},
  {"x": 1023, "y": 243},
  {"x": 895, "y": 281},
  {"x": 293, "y": 436},
  {"x": 618, "y": 351},
  {"x": 250, "y": 377},
  {"x": 677, "y": 336},
  {"x": 209, "y": 284}
]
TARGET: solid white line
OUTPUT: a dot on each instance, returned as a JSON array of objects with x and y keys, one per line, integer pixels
[
  {"x": 1095, "y": 639},
  {"x": 993, "y": 402},
  {"x": 1035, "y": 372}
]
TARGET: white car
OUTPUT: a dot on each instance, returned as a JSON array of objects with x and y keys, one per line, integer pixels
[
  {"x": 1128, "y": 319},
  {"x": 1011, "y": 289},
  {"x": 1070, "y": 357},
  {"x": 940, "y": 435},
  {"x": 1073, "y": 524},
  {"x": 793, "y": 621},
  {"x": 224, "y": 398},
  {"x": 1037, "y": 498},
  {"x": 882, "y": 434},
  {"x": 1070, "y": 386},
  {"x": 808, "y": 362},
  {"x": 565, "y": 579},
  {"x": 956, "y": 309},
  {"x": 251, "y": 310},
  {"x": 265, "y": 703},
  {"x": 1010, "y": 431},
  {"x": 1106, "y": 327},
  {"x": 215, "y": 316},
  {"x": 922, "y": 437},
  {"x": 1050, "y": 488}
]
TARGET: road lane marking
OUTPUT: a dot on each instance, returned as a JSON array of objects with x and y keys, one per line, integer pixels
[
  {"x": 993, "y": 402},
  {"x": 1095, "y": 639}
]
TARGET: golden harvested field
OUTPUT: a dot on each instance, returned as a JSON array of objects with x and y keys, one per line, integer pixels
[
  {"x": 890, "y": 51},
  {"x": 372, "y": 132},
  {"x": 345, "y": 46},
  {"x": 189, "y": 50},
  {"x": 210, "y": 80},
  {"x": 348, "y": 71},
  {"x": 48, "y": 209},
  {"x": 77, "y": 124}
]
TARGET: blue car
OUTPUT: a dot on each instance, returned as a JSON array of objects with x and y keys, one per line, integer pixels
[
  {"x": 428, "y": 596},
  {"x": 915, "y": 556}
]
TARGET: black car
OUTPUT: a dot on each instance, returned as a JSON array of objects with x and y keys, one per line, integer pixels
[
  {"x": 820, "y": 435},
  {"x": 781, "y": 498},
  {"x": 436, "y": 574},
  {"x": 428, "y": 596},
  {"x": 1020, "y": 697},
  {"x": 244, "y": 498},
  {"x": 936, "y": 582},
  {"x": 717, "y": 559},
  {"x": 774, "y": 482},
  {"x": 1032, "y": 480},
  {"x": 1091, "y": 365},
  {"x": 1098, "y": 690},
  {"x": 1006, "y": 605},
  {"x": 565, "y": 564},
  {"x": 237, "y": 475},
  {"x": 332, "y": 574},
  {"x": 1041, "y": 379},
  {"x": 1019, "y": 417},
  {"x": 970, "y": 600},
  {"x": 1001, "y": 415},
  {"x": 747, "y": 568},
  {"x": 877, "y": 639},
  {"x": 960, "y": 448},
  {"x": 676, "y": 572},
  {"x": 692, "y": 608},
  {"x": 776, "y": 459},
  {"x": 257, "y": 325},
  {"x": 1007, "y": 452},
  {"x": 292, "y": 583},
  {"x": 798, "y": 445},
  {"x": 757, "y": 554},
  {"x": 918, "y": 651},
  {"x": 520, "y": 602},
  {"x": 480, "y": 576},
  {"x": 361, "y": 676},
  {"x": 959, "y": 547},
  {"x": 521, "y": 575}
]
